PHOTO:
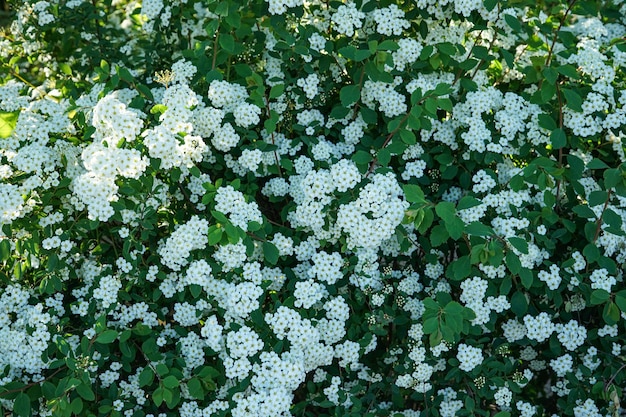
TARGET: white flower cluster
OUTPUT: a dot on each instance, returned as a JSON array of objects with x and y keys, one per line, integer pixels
[
  {"x": 503, "y": 397},
  {"x": 373, "y": 217},
  {"x": 562, "y": 365},
  {"x": 23, "y": 339},
  {"x": 175, "y": 251},
  {"x": 183, "y": 71},
  {"x": 310, "y": 85},
  {"x": 227, "y": 98},
  {"x": 114, "y": 121},
  {"x": 10, "y": 98},
  {"x": 326, "y": 267},
  {"x": 280, "y": 6},
  {"x": 473, "y": 296},
  {"x": 107, "y": 290},
  {"x": 389, "y": 101},
  {"x": 483, "y": 182},
  {"x": 335, "y": 208},
  {"x": 469, "y": 356},
  {"x": 571, "y": 335},
  {"x": 539, "y": 328},
  {"x": 11, "y": 203},
  {"x": 587, "y": 409},
  {"x": 552, "y": 278},
  {"x": 347, "y": 18},
  {"x": 233, "y": 204},
  {"x": 172, "y": 142},
  {"x": 600, "y": 279},
  {"x": 390, "y": 20}
]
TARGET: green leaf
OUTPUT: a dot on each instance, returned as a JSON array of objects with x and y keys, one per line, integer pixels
[
  {"x": 546, "y": 121},
  {"x": 453, "y": 308},
  {"x": 591, "y": 252},
  {"x": 490, "y": 5},
  {"x": 576, "y": 166},
  {"x": 468, "y": 202},
  {"x": 446, "y": 211},
  {"x": 455, "y": 227},
  {"x": 513, "y": 262},
  {"x": 519, "y": 244},
  {"x": 429, "y": 216},
  {"x": 611, "y": 314},
  {"x": 568, "y": 70},
  {"x": 5, "y": 250},
  {"x": 461, "y": 268},
  {"x": 620, "y": 300},
  {"x": 408, "y": 137},
  {"x": 194, "y": 385},
  {"x": 158, "y": 109},
  {"x": 227, "y": 42},
  {"x": 388, "y": 45},
  {"x": 125, "y": 74},
  {"x": 106, "y": 337},
  {"x": 21, "y": 406},
  {"x": 357, "y": 55},
  {"x": 439, "y": 235},
  {"x": 86, "y": 392},
  {"x": 597, "y": 198},
  {"x": 105, "y": 67},
  {"x": 77, "y": 405},
  {"x": 157, "y": 396},
  {"x": 146, "y": 377},
  {"x": 573, "y": 99},
  {"x": 65, "y": 69},
  {"x": 519, "y": 304},
  {"x": 584, "y": 211},
  {"x": 431, "y": 325},
  {"x": 558, "y": 138},
  {"x": 599, "y": 296},
  {"x": 547, "y": 92},
  {"x": 270, "y": 251},
  {"x": 527, "y": 277},
  {"x": 550, "y": 75},
  {"x": 478, "y": 229},
  {"x": 413, "y": 193},
  {"x": 612, "y": 177},
  {"x": 384, "y": 157},
  {"x": 442, "y": 89},
  {"x": 349, "y": 95},
  {"x": 277, "y": 90},
  {"x": 362, "y": 157},
  {"x": 170, "y": 381},
  {"x": 596, "y": 163},
  {"x": 222, "y": 9},
  {"x": 446, "y": 48},
  {"x": 513, "y": 22},
  {"x": 7, "y": 123}
]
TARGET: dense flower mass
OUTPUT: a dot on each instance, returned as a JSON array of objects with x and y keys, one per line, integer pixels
[{"x": 272, "y": 208}]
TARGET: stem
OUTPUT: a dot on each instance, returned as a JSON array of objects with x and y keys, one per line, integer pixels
[
  {"x": 610, "y": 381},
  {"x": 269, "y": 115},
  {"x": 554, "y": 39},
  {"x": 217, "y": 36},
  {"x": 556, "y": 33},
  {"x": 25, "y": 387},
  {"x": 19, "y": 77},
  {"x": 255, "y": 237},
  {"x": 559, "y": 181},
  {"x": 387, "y": 140},
  {"x": 356, "y": 105},
  {"x": 599, "y": 221}
]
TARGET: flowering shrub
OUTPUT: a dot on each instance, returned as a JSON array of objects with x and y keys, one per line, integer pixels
[{"x": 277, "y": 207}]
